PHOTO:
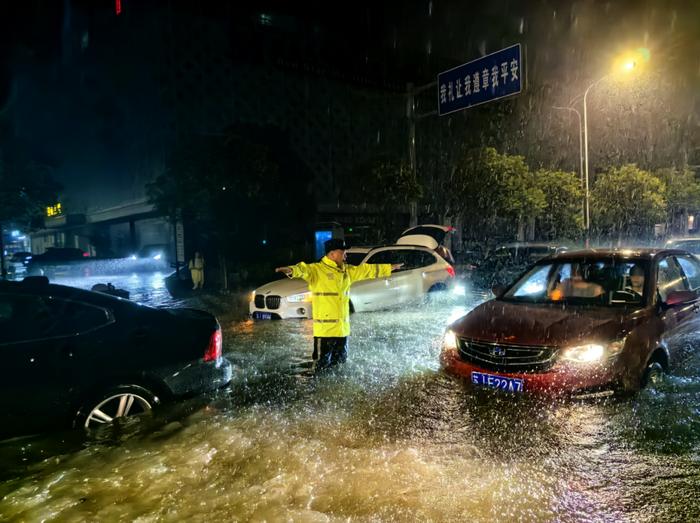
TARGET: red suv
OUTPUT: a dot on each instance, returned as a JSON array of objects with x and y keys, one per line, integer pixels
[{"x": 580, "y": 321}]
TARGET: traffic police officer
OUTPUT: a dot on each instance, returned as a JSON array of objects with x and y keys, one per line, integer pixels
[{"x": 329, "y": 282}]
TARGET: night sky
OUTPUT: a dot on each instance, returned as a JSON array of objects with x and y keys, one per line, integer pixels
[{"x": 82, "y": 88}]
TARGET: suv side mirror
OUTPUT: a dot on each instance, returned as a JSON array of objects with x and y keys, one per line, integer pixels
[
  {"x": 498, "y": 290},
  {"x": 679, "y": 297}
]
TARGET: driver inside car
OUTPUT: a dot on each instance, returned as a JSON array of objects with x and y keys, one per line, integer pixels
[
  {"x": 576, "y": 286},
  {"x": 636, "y": 280}
]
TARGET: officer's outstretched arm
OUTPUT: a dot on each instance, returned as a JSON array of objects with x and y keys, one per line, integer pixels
[
  {"x": 301, "y": 270},
  {"x": 368, "y": 271}
]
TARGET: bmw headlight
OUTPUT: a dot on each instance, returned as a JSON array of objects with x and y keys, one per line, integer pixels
[
  {"x": 449, "y": 341},
  {"x": 592, "y": 352},
  {"x": 296, "y": 298}
]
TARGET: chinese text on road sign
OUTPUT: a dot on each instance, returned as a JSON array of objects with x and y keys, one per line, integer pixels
[{"x": 485, "y": 79}]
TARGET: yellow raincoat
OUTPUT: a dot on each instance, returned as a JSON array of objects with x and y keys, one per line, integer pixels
[{"x": 330, "y": 292}]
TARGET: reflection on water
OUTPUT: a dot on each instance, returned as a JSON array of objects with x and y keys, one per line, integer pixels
[
  {"x": 387, "y": 437},
  {"x": 145, "y": 287}
]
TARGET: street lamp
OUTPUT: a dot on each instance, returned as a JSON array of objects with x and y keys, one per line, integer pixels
[
  {"x": 625, "y": 66},
  {"x": 587, "y": 193},
  {"x": 580, "y": 149}
]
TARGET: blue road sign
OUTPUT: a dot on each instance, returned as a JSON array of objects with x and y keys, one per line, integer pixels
[{"x": 485, "y": 79}]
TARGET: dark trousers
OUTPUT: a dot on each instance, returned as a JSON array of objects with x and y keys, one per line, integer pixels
[{"x": 330, "y": 351}]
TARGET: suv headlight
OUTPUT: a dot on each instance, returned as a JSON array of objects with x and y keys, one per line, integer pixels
[
  {"x": 449, "y": 341},
  {"x": 296, "y": 298},
  {"x": 592, "y": 352}
]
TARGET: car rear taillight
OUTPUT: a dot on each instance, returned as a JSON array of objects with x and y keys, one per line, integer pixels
[
  {"x": 213, "y": 351},
  {"x": 451, "y": 271}
]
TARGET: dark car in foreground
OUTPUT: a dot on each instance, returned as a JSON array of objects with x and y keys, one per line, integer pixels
[
  {"x": 73, "y": 357},
  {"x": 581, "y": 321}
]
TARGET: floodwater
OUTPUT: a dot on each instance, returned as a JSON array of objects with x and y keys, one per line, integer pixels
[{"x": 387, "y": 437}]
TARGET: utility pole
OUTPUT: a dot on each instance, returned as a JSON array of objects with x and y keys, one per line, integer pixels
[{"x": 411, "y": 93}]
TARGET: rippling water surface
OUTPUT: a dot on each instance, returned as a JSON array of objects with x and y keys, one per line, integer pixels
[{"x": 387, "y": 437}]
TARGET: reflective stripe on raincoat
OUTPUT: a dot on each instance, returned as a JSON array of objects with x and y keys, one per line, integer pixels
[{"x": 330, "y": 292}]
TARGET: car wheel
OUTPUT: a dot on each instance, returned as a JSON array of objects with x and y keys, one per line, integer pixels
[
  {"x": 119, "y": 402},
  {"x": 653, "y": 374}
]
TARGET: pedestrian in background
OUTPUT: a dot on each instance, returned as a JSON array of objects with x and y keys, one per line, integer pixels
[
  {"x": 196, "y": 267},
  {"x": 329, "y": 282}
]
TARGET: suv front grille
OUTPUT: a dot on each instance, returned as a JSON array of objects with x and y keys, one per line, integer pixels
[
  {"x": 272, "y": 302},
  {"x": 260, "y": 301},
  {"x": 507, "y": 357}
]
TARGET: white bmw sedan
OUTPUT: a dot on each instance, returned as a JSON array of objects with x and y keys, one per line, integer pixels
[{"x": 423, "y": 271}]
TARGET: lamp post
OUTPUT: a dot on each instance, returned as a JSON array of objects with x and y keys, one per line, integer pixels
[
  {"x": 580, "y": 151},
  {"x": 626, "y": 67},
  {"x": 587, "y": 195}
]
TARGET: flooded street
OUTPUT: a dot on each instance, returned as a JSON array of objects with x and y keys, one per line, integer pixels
[{"x": 387, "y": 437}]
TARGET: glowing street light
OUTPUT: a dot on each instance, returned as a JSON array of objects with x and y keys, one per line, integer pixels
[{"x": 624, "y": 65}]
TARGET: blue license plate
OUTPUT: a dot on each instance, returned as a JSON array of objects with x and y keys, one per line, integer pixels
[
  {"x": 262, "y": 315},
  {"x": 497, "y": 382}
]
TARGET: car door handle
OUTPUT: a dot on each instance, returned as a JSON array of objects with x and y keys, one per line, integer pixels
[{"x": 696, "y": 307}]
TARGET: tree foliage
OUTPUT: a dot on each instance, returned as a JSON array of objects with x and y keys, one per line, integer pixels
[
  {"x": 232, "y": 190},
  {"x": 26, "y": 189},
  {"x": 626, "y": 202},
  {"x": 682, "y": 196},
  {"x": 384, "y": 182},
  {"x": 495, "y": 192},
  {"x": 562, "y": 215}
]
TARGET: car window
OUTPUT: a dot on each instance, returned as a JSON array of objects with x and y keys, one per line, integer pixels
[
  {"x": 411, "y": 259},
  {"x": 500, "y": 258},
  {"x": 424, "y": 259},
  {"x": 691, "y": 269},
  {"x": 355, "y": 258},
  {"x": 536, "y": 282},
  {"x": 689, "y": 245},
  {"x": 27, "y": 317},
  {"x": 417, "y": 259},
  {"x": 669, "y": 278},
  {"x": 596, "y": 281}
]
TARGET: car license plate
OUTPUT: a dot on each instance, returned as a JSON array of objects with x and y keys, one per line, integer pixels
[
  {"x": 262, "y": 315},
  {"x": 498, "y": 382}
]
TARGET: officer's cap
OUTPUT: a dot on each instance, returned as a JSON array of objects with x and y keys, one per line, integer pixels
[{"x": 335, "y": 244}]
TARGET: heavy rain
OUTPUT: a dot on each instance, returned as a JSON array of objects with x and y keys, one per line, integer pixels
[
  {"x": 387, "y": 437},
  {"x": 500, "y": 202}
]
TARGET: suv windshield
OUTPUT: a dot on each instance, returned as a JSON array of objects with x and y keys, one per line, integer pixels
[{"x": 600, "y": 281}]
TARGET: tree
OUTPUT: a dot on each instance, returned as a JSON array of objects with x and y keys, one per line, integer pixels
[
  {"x": 561, "y": 217},
  {"x": 627, "y": 202},
  {"x": 384, "y": 183},
  {"x": 495, "y": 193},
  {"x": 235, "y": 192},
  {"x": 682, "y": 197},
  {"x": 214, "y": 182},
  {"x": 26, "y": 189}
]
